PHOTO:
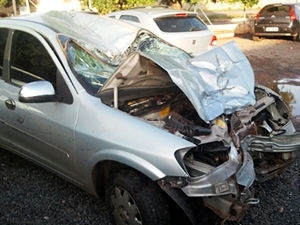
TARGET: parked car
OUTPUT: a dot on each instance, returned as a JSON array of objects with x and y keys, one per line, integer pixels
[
  {"x": 125, "y": 115},
  {"x": 275, "y": 20},
  {"x": 183, "y": 29}
]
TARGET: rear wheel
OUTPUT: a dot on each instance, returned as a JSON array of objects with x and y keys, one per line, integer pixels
[{"x": 135, "y": 200}]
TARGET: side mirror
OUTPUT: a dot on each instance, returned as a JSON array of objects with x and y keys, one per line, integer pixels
[{"x": 38, "y": 91}]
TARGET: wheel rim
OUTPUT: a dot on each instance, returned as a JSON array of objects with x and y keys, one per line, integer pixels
[{"x": 125, "y": 210}]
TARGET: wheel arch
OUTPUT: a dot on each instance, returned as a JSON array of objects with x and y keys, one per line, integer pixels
[
  {"x": 104, "y": 169},
  {"x": 102, "y": 172}
]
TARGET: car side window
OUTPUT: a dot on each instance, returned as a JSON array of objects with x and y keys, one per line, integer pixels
[
  {"x": 3, "y": 37},
  {"x": 130, "y": 18},
  {"x": 30, "y": 61}
]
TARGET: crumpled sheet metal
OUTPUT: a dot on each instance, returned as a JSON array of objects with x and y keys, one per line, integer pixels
[
  {"x": 218, "y": 81},
  {"x": 99, "y": 31}
]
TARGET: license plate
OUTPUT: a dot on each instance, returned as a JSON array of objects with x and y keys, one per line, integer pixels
[{"x": 272, "y": 29}]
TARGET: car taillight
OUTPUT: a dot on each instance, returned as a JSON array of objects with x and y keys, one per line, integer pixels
[
  {"x": 292, "y": 14},
  {"x": 180, "y": 15},
  {"x": 257, "y": 16},
  {"x": 213, "y": 41}
]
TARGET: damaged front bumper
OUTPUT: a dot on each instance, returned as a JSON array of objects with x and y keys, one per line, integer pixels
[
  {"x": 225, "y": 189},
  {"x": 219, "y": 181}
]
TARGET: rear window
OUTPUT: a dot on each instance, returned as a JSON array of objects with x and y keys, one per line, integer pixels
[
  {"x": 180, "y": 24},
  {"x": 277, "y": 10}
]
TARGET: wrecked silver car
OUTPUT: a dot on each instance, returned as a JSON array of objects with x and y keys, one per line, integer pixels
[{"x": 123, "y": 114}]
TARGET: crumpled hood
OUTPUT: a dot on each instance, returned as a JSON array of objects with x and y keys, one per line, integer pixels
[{"x": 216, "y": 82}]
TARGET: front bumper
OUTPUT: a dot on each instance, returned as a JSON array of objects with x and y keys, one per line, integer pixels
[
  {"x": 225, "y": 189},
  {"x": 230, "y": 196},
  {"x": 223, "y": 179},
  {"x": 282, "y": 30}
]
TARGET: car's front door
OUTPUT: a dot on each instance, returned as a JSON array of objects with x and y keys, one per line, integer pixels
[{"x": 43, "y": 131}]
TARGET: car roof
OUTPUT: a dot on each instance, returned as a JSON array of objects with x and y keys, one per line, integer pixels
[
  {"x": 80, "y": 26},
  {"x": 66, "y": 22},
  {"x": 155, "y": 11},
  {"x": 279, "y": 4}
]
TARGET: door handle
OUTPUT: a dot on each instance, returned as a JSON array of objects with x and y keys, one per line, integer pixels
[{"x": 10, "y": 104}]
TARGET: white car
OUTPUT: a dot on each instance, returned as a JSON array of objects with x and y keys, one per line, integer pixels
[{"x": 183, "y": 29}]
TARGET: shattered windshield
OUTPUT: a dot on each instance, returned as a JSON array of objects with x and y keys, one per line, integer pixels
[
  {"x": 92, "y": 69},
  {"x": 151, "y": 45}
]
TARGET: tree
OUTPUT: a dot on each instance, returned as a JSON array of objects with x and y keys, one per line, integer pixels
[
  {"x": 3, "y": 3},
  {"x": 106, "y": 6},
  {"x": 7, "y": 3},
  {"x": 248, "y": 3}
]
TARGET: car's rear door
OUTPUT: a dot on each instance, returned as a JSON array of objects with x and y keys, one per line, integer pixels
[{"x": 43, "y": 132}]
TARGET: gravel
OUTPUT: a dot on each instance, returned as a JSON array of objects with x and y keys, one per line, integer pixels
[{"x": 31, "y": 195}]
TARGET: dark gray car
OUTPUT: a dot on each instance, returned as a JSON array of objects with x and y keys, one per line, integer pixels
[{"x": 277, "y": 20}]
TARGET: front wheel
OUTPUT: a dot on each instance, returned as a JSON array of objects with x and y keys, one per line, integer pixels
[{"x": 135, "y": 200}]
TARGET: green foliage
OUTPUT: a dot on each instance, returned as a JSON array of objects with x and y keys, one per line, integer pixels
[
  {"x": 193, "y": 2},
  {"x": 5, "y": 3},
  {"x": 249, "y": 3},
  {"x": 246, "y": 3},
  {"x": 106, "y": 6}
]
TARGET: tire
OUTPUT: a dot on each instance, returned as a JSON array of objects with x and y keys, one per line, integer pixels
[{"x": 135, "y": 200}]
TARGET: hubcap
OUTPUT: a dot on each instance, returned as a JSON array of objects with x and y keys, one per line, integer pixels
[{"x": 125, "y": 210}]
